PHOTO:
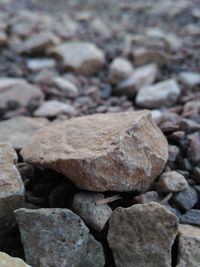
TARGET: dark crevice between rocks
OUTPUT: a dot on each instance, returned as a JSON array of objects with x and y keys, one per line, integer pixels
[{"x": 174, "y": 252}]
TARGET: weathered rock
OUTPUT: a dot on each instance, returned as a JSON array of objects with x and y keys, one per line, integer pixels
[
  {"x": 188, "y": 246},
  {"x": 189, "y": 79},
  {"x": 39, "y": 64},
  {"x": 173, "y": 152},
  {"x": 147, "y": 197},
  {"x": 193, "y": 151},
  {"x": 95, "y": 216},
  {"x": 142, "y": 235},
  {"x": 187, "y": 198},
  {"x": 171, "y": 182},
  {"x": 8, "y": 261},
  {"x": 59, "y": 238},
  {"x": 68, "y": 88},
  {"x": 142, "y": 76},
  {"x": 80, "y": 57},
  {"x": 18, "y": 131},
  {"x": 119, "y": 69},
  {"x": 164, "y": 93},
  {"x": 117, "y": 152},
  {"x": 18, "y": 91},
  {"x": 191, "y": 217},
  {"x": 11, "y": 186}
]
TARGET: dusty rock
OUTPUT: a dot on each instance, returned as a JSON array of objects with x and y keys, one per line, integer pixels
[
  {"x": 142, "y": 76},
  {"x": 189, "y": 79},
  {"x": 40, "y": 64},
  {"x": 147, "y": 242},
  {"x": 18, "y": 131},
  {"x": 188, "y": 246},
  {"x": 171, "y": 182},
  {"x": 191, "y": 217},
  {"x": 119, "y": 69},
  {"x": 8, "y": 261},
  {"x": 18, "y": 91},
  {"x": 95, "y": 216},
  {"x": 52, "y": 108},
  {"x": 68, "y": 88},
  {"x": 187, "y": 198},
  {"x": 117, "y": 152},
  {"x": 57, "y": 237},
  {"x": 164, "y": 93},
  {"x": 80, "y": 57},
  {"x": 11, "y": 186}
]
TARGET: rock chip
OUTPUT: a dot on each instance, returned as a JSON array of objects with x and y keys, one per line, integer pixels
[
  {"x": 189, "y": 79},
  {"x": 11, "y": 186},
  {"x": 18, "y": 131},
  {"x": 102, "y": 152},
  {"x": 8, "y": 261},
  {"x": 188, "y": 246},
  {"x": 38, "y": 64},
  {"x": 164, "y": 93},
  {"x": 80, "y": 57},
  {"x": 68, "y": 88},
  {"x": 95, "y": 216},
  {"x": 59, "y": 238},
  {"x": 187, "y": 198},
  {"x": 119, "y": 69},
  {"x": 191, "y": 217},
  {"x": 142, "y": 235}
]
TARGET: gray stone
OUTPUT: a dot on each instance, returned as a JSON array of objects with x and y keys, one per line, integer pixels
[
  {"x": 58, "y": 238},
  {"x": 187, "y": 198},
  {"x": 191, "y": 217},
  {"x": 68, "y": 88},
  {"x": 189, "y": 79},
  {"x": 3, "y": 38},
  {"x": 142, "y": 235},
  {"x": 38, "y": 64},
  {"x": 8, "y": 261},
  {"x": 120, "y": 69},
  {"x": 95, "y": 216}
]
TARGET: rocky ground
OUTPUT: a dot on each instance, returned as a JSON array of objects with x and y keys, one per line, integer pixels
[{"x": 117, "y": 188}]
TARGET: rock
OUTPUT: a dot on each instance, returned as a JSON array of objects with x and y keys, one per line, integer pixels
[
  {"x": 95, "y": 216},
  {"x": 138, "y": 241},
  {"x": 164, "y": 93},
  {"x": 80, "y": 57},
  {"x": 102, "y": 152},
  {"x": 53, "y": 108},
  {"x": 157, "y": 116},
  {"x": 142, "y": 76},
  {"x": 18, "y": 91},
  {"x": 68, "y": 88},
  {"x": 11, "y": 186},
  {"x": 188, "y": 246},
  {"x": 3, "y": 38},
  {"x": 191, "y": 107},
  {"x": 187, "y": 198},
  {"x": 8, "y": 261},
  {"x": 191, "y": 217},
  {"x": 18, "y": 131},
  {"x": 40, "y": 64},
  {"x": 147, "y": 197},
  {"x": 171, "y": 182},
  {"x": 189, "y": 79},
  {"x": 173, "y": 152},
  {"x": 119, "y": 69},
  {"x": 193, "y": 151},
  {"x": 59, "y": 238}
]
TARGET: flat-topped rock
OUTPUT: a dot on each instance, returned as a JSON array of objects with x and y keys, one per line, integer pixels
[{"x": 113, "y": 151}]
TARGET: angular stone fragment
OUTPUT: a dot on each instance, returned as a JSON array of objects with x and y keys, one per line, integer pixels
[
  {"x": 191, "y": 217},
  {"x": 80, "y": 57},
  {"x": 119, "y": 69},
  {"x": 189, "y": 79},
  {"x": 187, "y": 198},
  {"x": 188, "y": 246},
  {"x": 67, "y": 88},
  {"x": 164, "y": 93},
  {"x": 11, "y": 186},
  {"x": 8, "y": 261},
  {"x": 59, "y": 238},
  {"x": 95, "y": 216},
  {"x": 142, "y": 235},
  {"x": 18, "y": 131},
  {"x": 113, "y": 151}
]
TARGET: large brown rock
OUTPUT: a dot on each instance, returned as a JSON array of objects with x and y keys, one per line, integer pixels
[{"x": 118, "y": 152}]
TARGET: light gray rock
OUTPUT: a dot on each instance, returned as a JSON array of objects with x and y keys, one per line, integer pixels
[
  {"x": 189, "y": 79},
  {"x": 142, "y": 235},
  {"x": 19, "y": 130},
  {"x": 95, "y": 216},
  {"x": 59, "y": 238},
  {"x": 102, "y": 152},
  {"x": 120, "y": 69},
  {"x": 38, "y": 64},
  {"x": 68, "y": 88},
  {"x": 8, "y": 261},
  {"x": 3, "y": 37},
  {"x": 188, "y": 246},
  {"x": 164, "y": 93},
  {"x": 11, "y": 186}
]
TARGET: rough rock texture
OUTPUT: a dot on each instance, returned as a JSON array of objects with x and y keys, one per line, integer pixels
[
  {"x": 187, "y": 198},
  {"x": 80, "y": 57},
  {"x": 8, "y": 261},
  {"x": 117, "y": 152},
  {"x": 191, "y": 217},
  {"x": 11, "y": 186},
  {"x": 18, "y": 131},
  {"x": 58, "y": 238},
  {"x": 188, "y": 246},
  {"x": 95, "y": 216},
  {"x": 142, "y": 235}
]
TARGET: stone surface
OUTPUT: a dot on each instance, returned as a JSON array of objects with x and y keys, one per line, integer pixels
[
  {"x": 117, "y": 152},
  {"x": 18, "y": 91},
  {"x": 119, "y": 69},
  {"x": 59, "y": 238},
  {"x": 39, "y": 64},
  {"x": 187, "y": 198},
  {"x": 68, "y": 88},
  {"x": 191, "y": 217},
  {"x": 80, "y": 57},
  {"x": 95, "y": 216},
  {"x": 8, "y": 261},
  {"x": 142, "y": 235},
  {"x": 3, "y": 38},
  {"x": 164, "y": 93},
  {"x": 11, "y": 186},
  {"x": 18, "y": 131},
  {"x": 188, "y": 246},
  {"x": 171, "y": 182},
  {"x": 189, "y": 79}
]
